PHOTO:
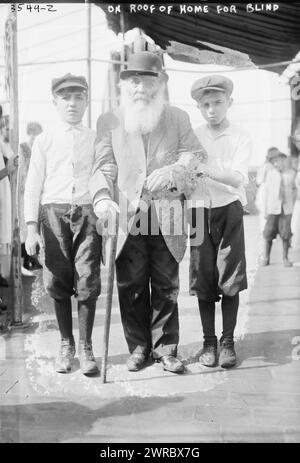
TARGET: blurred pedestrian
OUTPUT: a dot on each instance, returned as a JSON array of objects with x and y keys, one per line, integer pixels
[
  {"x": 8, "y": 164},
  {"x": 260, "y": 182},
  {"x": 295, "y": 224},
  {"x": 33, "y": 129},
  {"x": 280, "y": 195}
]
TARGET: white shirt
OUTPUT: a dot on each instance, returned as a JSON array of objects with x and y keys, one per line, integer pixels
[
  {"x": 5, "y": 198},
  {"x": 229, "y": 150},
  {"x": 273, "y": 202},
  {"x": 60, "y": 168}
]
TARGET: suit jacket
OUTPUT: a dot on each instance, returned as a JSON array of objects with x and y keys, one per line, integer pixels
[{"x": 168, "y": 145}]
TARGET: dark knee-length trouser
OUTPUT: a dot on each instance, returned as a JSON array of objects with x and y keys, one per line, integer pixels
[
  {"x": 148, "y": 286},
  {"x": 218, "y": 265},
  {"x": 72, "y": 251}
]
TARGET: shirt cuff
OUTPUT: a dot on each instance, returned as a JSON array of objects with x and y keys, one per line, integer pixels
[{"x": 100, "y": 196}]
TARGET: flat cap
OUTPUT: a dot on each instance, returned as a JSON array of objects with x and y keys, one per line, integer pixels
[
  {"x": 69, "y": 80},
  {"x": 213, "y": 82}
]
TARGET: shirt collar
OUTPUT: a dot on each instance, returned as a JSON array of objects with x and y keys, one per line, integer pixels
[
  {"x": 227, "y": 130},
  {"x": 68, "y": 127}
]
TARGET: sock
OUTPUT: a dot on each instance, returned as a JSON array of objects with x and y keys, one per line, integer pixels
[
  {"x": 63, "y": 311},
  {"x": 207, "y": 314},
  {"x": 230, "y": 305},
  {"x": 86, "y": 317}
]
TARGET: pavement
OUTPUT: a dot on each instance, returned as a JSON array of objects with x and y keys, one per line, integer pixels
[{"x": 257, "y": 401}]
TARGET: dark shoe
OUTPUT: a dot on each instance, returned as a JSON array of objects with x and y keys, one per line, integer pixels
[
  {"x": 287, "y": 263},
  {"x": 136, "y": 362},
  {"x": 208, "y": 356},
  {"x": 3, "y": 307},
  {"x": 87, "y": 360},
  {"x": 65, "y": 357},
  {"x": 171, "y": 363},
  {"x": 227, "y": 357},
  {"x": 3, "y": 282},
  {"x": 34, "y": 264},
  {"x": 267, "y": 251}
]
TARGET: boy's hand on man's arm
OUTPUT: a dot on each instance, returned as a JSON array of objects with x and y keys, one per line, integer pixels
[
  {"x": 33, "y": 239},
  {"x": 228, "y": 177},
  {"x": 12, "y": 164}
]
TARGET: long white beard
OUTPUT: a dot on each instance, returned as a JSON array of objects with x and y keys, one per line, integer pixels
[{"x": 139, "y": 117}]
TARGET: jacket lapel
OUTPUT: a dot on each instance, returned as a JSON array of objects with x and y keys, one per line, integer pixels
[
  {"x": 156, "y": 137},
  {"x": 135, "y": 151}
]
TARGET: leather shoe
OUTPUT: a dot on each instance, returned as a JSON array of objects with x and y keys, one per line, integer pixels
[
  {"x": 171, "y": 363},
  {"x": 136, "y": 362},
  {"x": 3, "y": 281},
  {"x": 208, "y": 356},
  {"x": 287, "y": 263},
  {"x": 87, "y": 360},
  {"x": 65, "y": 356},
  {"x": 227, "y": 357}
]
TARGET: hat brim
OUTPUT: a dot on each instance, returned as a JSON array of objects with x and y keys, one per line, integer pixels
[
  {"x": 199, "y": 92},
  {"x": 133, "y": 72},
  {"x": 69, "y": 84}
]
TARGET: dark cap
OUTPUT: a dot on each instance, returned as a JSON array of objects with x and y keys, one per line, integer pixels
[
  {"x": 272, "y": 153},
  {"x": 143, "y": 63},
  {"x": 69, "y": 80},
  {"x": 214, "y": 82},
  {"x": 275, "y": 155}
]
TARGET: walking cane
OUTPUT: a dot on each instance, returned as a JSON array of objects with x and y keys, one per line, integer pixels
[{"x": 108, "y": 301}]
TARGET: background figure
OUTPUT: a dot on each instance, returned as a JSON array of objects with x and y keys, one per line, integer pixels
[
  {"x": 280, "y": 193},
  {"x": 8, "y": 163},
  {"x": 33, "y": 129},
  {"x": 295, "y": 224},
  {"x": 260, "y": 181}
]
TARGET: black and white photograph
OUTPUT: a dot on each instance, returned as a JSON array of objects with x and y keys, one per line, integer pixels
[{"x": 149, "y": 225}]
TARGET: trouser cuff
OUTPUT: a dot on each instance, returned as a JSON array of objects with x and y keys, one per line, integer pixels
[
  {"x": 160, "y": 351},
  {"x": 229, "y": 340},
  {"x": 210, "y": 341}
]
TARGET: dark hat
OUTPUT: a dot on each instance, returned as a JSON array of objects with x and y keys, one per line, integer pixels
[
  {"x": 69, "y": 80},
  {"x": 275, "y": 155},
  {"x": 143, "y": 63},
  {"x": 214, "y": 82},
  {"x": 282, "y": 155},
  {"x": 272, "y": 153}
]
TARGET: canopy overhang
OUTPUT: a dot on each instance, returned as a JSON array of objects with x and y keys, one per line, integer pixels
[{"x": 269, "y": 38}]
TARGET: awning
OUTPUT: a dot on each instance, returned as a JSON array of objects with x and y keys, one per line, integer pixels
[{"x": 268, "y": 37}]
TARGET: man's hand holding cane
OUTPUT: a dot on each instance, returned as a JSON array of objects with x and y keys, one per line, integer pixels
[{"x": 33, "y": 239}]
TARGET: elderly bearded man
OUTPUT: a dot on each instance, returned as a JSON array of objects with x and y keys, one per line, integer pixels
[{"x": 149, "y": 144}]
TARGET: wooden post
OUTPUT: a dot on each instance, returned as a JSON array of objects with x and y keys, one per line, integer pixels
[
  {"x": 16, "y": 275},
  {"x": 89, "y": 62}
]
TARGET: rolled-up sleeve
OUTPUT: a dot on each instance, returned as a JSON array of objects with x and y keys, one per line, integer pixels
[
  {"x": 242, "y": 158},
  {"x": 105, "y": 169},
  {"x": 191, "y": 152},
  {"x": 35, "y": 181}
]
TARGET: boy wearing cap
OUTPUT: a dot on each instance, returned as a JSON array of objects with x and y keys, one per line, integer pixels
[
  {"x": 280, "y": 196},
  {"x": 57, "y": 181},
  {"x": 218, "y": 265}
]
